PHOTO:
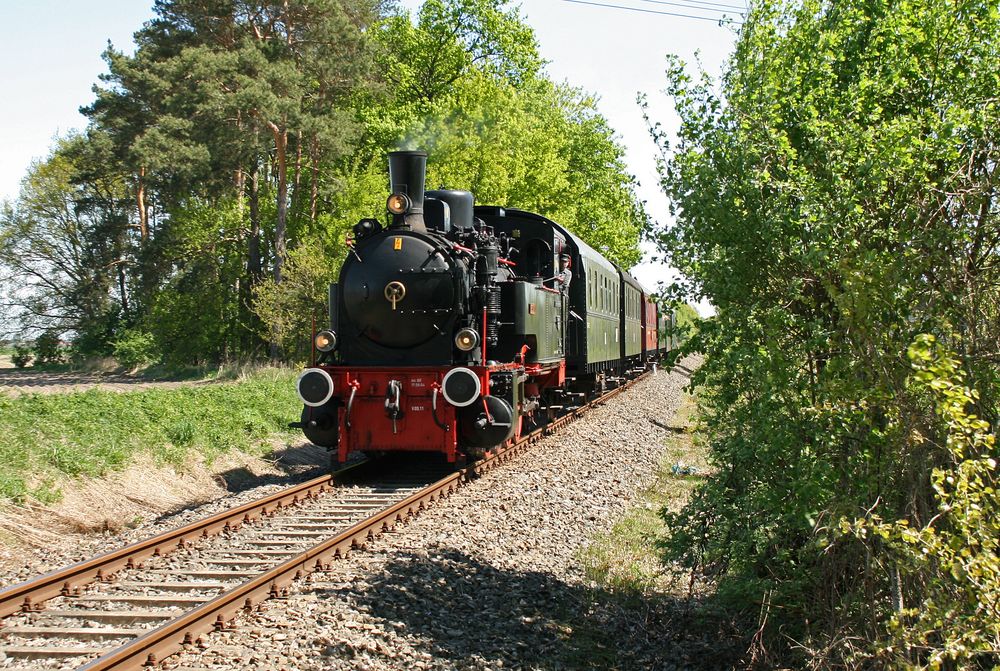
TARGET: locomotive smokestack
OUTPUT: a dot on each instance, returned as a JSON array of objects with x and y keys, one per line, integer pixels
[{"x": 407, "y": 170}]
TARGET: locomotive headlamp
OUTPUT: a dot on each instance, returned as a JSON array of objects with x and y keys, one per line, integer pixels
[
  {"x": 398, "y": 203},
  {"x": 326, "y": 341},
  {"x": 467, "y": 339}
]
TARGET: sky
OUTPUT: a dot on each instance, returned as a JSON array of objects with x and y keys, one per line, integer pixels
[{"x": 50, "y": 57}]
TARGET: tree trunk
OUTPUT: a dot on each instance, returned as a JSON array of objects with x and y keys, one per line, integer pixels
[
  {"x": 298, "y": 170},
  {"x": 280, "y": 249},
  {"x": 140, "y": 199},
  {"x": 254, "y": 263},
  {"x": 239, "y": 186},
  {"x": 314, "y": 187},
  {"x": 122, "y": 288}
]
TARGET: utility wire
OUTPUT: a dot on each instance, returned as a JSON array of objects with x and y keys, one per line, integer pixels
[
  {"x": 692, "y": 3},
  {"x": 652, "y": 11}
]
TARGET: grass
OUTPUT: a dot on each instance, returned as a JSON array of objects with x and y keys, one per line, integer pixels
[
  {"x": 49, "y": 437},
  {"x": 227, "y": 371}
]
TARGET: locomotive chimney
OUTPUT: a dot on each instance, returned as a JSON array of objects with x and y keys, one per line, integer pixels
[{"x": 407, "y": 170}]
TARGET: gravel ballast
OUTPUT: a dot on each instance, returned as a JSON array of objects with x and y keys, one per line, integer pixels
[{"x": 491, "y": 576}]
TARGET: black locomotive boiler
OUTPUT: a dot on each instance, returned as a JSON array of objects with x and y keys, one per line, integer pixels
[{"x": 454, "y": 327}]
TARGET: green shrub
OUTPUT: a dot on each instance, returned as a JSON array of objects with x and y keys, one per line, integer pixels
[
  {"x": 181, "y": 433},
  {"x": 135, "y": 348},
  {"x": 835, "y": 197},
  {"x": 48, "y": 349},
  {"x": 22, "y": 355},
  {"x": 948, "y": 569}
]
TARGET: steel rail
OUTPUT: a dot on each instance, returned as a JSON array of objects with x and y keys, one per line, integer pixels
[
  {"x": 187, "y": 629},
  {"x": 28, "y": 596}
]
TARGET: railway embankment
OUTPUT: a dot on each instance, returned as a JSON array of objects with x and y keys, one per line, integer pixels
[{"x": 104, "y": 460}]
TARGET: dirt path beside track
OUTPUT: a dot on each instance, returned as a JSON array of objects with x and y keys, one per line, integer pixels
[{"x": 16, "y": 381}]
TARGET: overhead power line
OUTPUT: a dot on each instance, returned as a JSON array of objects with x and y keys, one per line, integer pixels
[
  {"x": 653, "y": 11},
  {"x": 700, "y": 4},
  {"x": 694, "y": 4}
]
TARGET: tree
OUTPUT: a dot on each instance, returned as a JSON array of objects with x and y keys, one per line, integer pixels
[
  {"x": 465, "y": 84},
  {"x": 210, "y": 80},
  {"x": 224, "y": 104},
  {"x": 836, "y": 199},
  {"x": 686, "y": 321},
  {"x": 66, "y": 243},
  {"x": 288, "y": 308},
  {"x": 451, "y": 39}
]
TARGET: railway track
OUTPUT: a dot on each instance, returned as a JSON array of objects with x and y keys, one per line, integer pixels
[{"x": 133, "y": 607}]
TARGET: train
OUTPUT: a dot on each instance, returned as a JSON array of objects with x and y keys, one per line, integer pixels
[{"x": 454, "y": 328}]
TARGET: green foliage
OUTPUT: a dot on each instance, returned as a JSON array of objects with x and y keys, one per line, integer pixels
[
  {"x": 49, "y": 437},
  {"x": 197, "y": 315},
  {"x": 22, "y": 355},
  {"x": 685, "y": 324},
  {"x": 835, "y": 198},
  {"x": 452, "y": 38},
  {"x": 48, "y": 349},
  {"x": 287, "y": 309},
  {"x": 687, "y": 317},
  {"x": 540, "y": 147},
  {"x": 954, "y": 556},
  {"x": 135, "y": 348}
]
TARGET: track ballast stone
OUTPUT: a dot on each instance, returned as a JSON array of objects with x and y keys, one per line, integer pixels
[{"x": 490, "y": 577}]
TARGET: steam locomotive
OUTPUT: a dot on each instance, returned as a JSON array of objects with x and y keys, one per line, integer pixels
[{"x": 457, "y": 327}]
